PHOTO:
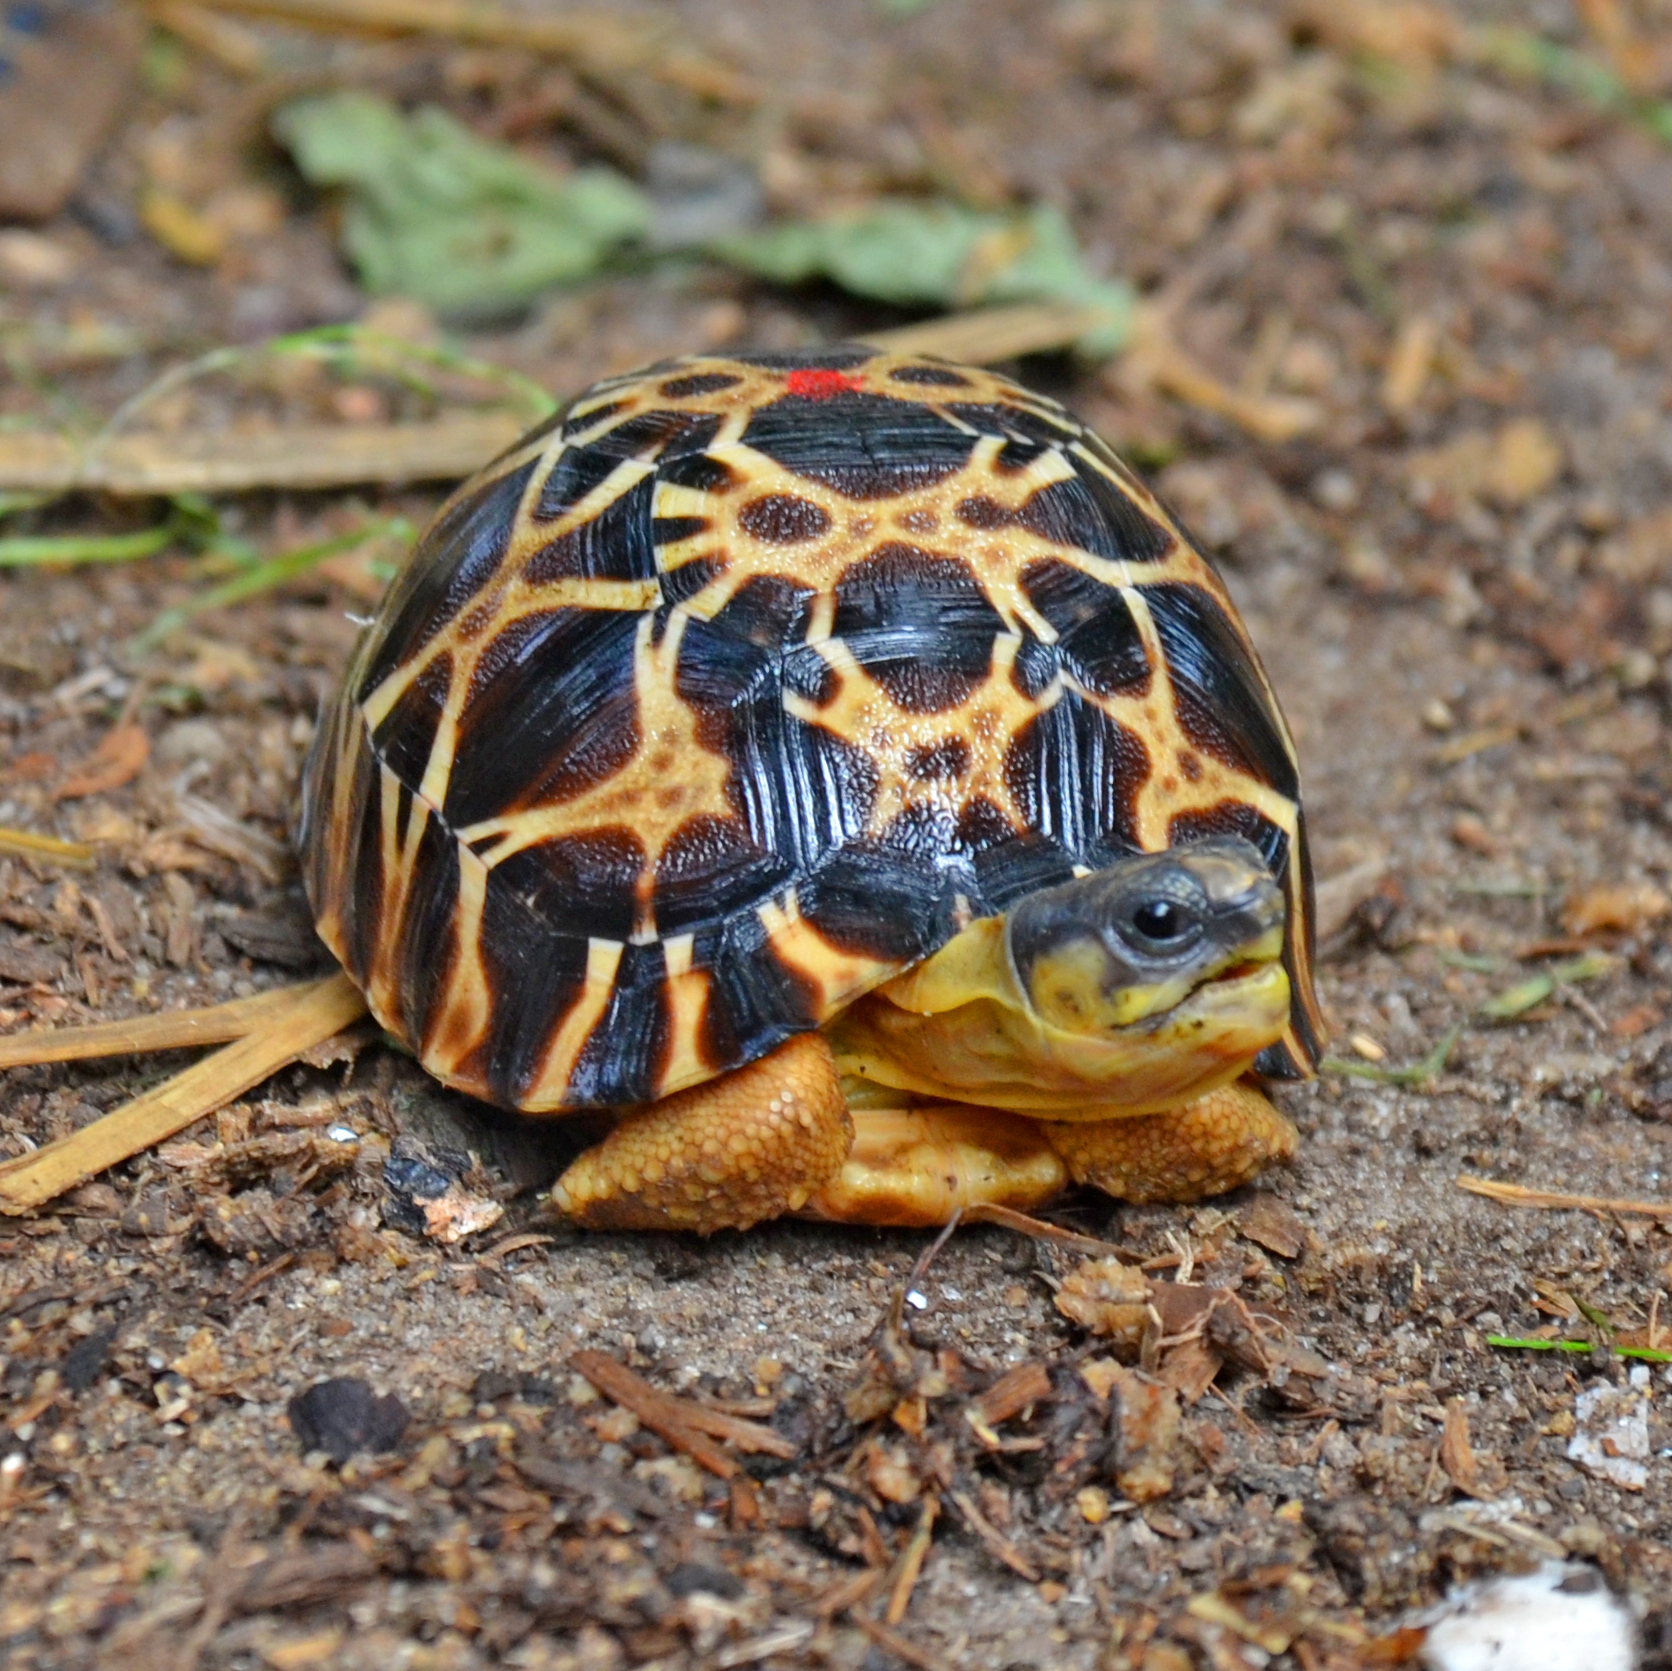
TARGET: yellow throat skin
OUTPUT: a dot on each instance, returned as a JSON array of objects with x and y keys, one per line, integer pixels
[{"x": 960, "y": 1026}]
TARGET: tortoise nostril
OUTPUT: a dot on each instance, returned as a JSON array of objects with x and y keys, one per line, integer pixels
[{"x": 1159, "y": 920}]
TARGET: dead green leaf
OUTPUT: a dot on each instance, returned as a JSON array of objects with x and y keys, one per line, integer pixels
[
  {"x": 465, "y": 226},
  {"x": 940, "y": 255}
]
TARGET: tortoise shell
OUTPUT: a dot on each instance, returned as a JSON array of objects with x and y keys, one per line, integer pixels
[{"x": 744, "y": 683}]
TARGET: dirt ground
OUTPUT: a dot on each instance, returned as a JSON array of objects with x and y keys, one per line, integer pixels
[{"x": 1460, "y": 575}]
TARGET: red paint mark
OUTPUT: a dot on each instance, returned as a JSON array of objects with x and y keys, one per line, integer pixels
[{"x": 817, "y": 384}]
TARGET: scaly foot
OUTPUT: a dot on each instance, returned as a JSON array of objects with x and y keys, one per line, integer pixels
[
  {"x": 1204, "y": 1148},
  {"x": 721, "y": 1156}
]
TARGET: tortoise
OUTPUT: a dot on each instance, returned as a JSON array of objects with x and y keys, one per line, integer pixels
[{"x": 839, "y": 768}]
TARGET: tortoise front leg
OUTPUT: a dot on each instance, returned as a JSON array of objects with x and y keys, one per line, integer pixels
[
  {"x": 1208, "y": 1146},
  {"x": 721, "y": 1156}
]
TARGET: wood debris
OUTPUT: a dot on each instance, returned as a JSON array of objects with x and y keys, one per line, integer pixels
[
  {"x": 683, "y": 1423},
  {"x": 1518, "y": 1195}
]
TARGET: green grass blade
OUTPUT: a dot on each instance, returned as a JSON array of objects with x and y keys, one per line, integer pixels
[
  {"x": 264, "y": 576},
  {"x": 32, "y": 551}
]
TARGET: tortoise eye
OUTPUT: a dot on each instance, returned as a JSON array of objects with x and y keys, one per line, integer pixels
[{"x": 1159, "y": 920}]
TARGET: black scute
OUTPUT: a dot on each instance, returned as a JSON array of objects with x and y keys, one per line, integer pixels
[
  {"x": 919, "y": 623},
  {"x": 880, "y": 900},
  {"x": 810, "y": 359},
  {"x": 455, "y": 559},
  {"x": 1075, "y": 776},
  {"x": 428, "y": 942},
  {"x": 864, "y": 446},
  {"x": 755, "y": 1000},
  {"x": 617, "y": 544},
  {"x": 1097, "y": 636},
  {"x": 407, "y": 734},
  {"x": 1090, "y": 512},
  {"x": 552, "y": 715},
  {"x": 576, "y": 473},
  {"x": 533, "y": 981},
  {"x": 713, "y": 868},
  {"x": 654, "y": 434},
  {"x": 624, "y": 1056},
  {"x": 1221, "y": 698}
]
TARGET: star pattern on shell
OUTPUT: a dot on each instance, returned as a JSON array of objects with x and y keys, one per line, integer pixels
[{"x": 742, "y": 685}]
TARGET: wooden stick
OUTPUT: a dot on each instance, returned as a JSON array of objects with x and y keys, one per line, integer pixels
[
  {"x": 169, "y": 1030},
  {"x": 320, "y": 1010},
  {"x": 27, "y": 845},
  {"x": 893, "y": 1642},
  {"x": 445, "y": 449},
  {"x": 989, "y": 1212},
  {"x": 989, "y": 334},
  {"x": 911, "y": 1562},
  {"x": 684, "y": 1424},
  {"x": 227, "y": 461},
  {"x": 595, "y": 40},
  {"x": 1515, "y": 1195},
  {"x": 1028, "y": 1383},
  {"x": 996, "y": 1543}
]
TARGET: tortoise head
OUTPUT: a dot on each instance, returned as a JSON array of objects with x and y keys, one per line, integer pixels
[
  {"x": 1129, "y": 990},
  {"x": 1113, "y": 948}
]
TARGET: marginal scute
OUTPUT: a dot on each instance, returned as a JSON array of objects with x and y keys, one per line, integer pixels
[
  {"x": 740, "y": 685},
  {"x": 1222, "y": 700},
  {"x": 457, "y": 557},
  {"x": 549, "y": 736}
]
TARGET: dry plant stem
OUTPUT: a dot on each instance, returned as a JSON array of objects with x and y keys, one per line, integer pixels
[
  {"x": 1155, "y": 360},
  {"x": 893, "y": 1642},
  {"x": 320, "y": 1010},
  {"x": 993, "y": 1540},
  {"x": 991, "y": 334},
  {"x": 27, "y": 845},
  {"x": 986, "y": 1212},
  {"x": 911, "y": 1562},
  {"x": 594, "y": 40},
  {"x": 1515, "y": 1195},
  {"x": 171, "y": 1030},
  {"x": 685, "y": 1425},
  {"x": 445, "y": 449},
  {"x": 300, "y": 456}
]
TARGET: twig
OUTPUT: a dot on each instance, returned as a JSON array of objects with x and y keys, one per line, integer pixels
[
  {"x": 1516, "y": 1195},
  {"x": 254, "y": 1280},
  {"x": 596, "y": 40},
  {"x": 219, "y": 461},
  {"x": 989, "y": 1212},
  {"x": 988, "y": 334},
  {"x": 320, "y": 1010},
  {"x": 685, "y": 1425},
  {"x": 220, "y": 1593},
  {"x": 26, "y": 844},
  {"x": 893, "y": 1642},
  {"x": 996, "y": 1543},
  {"x": 170, "y": 1030},
  {"x": 846, "y": 1593},
  {"x": 911, "y": 1561},
  {"x": 1028, "y": 1383}
]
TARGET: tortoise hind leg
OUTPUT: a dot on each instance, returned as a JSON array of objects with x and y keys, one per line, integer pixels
[
  {"x": 1206, "y": 1147},
  {"x": 721, "y": 1156}
]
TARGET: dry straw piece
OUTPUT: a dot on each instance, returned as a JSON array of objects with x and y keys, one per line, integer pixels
[{"x": 315, "y": 1013}]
